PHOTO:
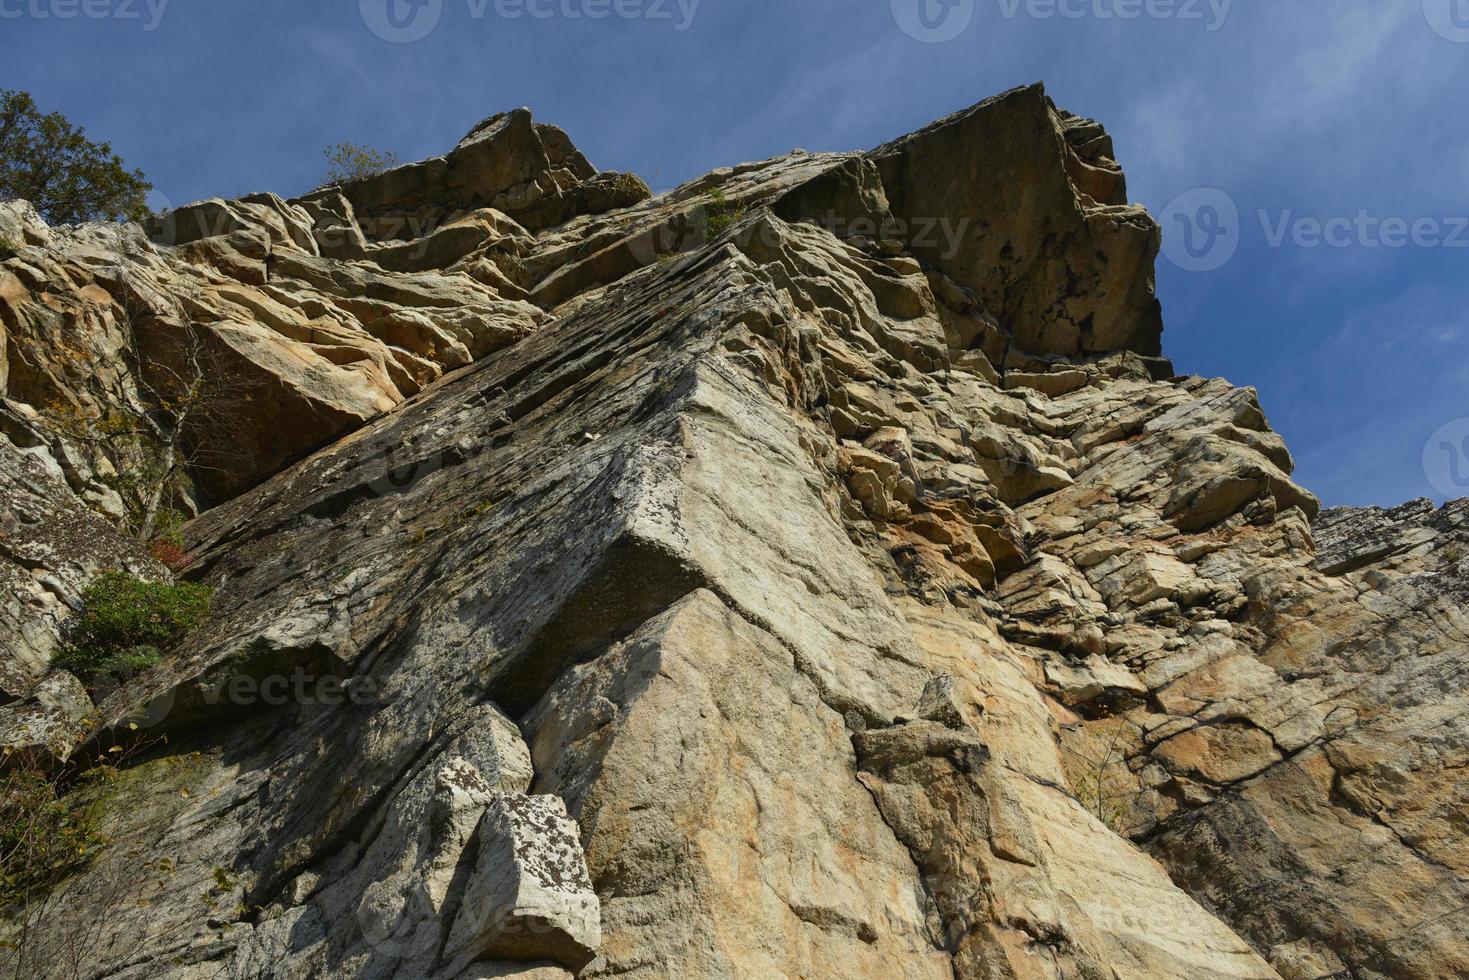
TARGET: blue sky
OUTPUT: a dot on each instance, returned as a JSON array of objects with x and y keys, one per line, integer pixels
[{"x": 1350, "y": 113}]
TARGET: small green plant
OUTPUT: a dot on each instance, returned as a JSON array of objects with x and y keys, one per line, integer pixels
[
  {"x": 43, "y": 838},
  {"x": 127, "y": 624},
  {"x": 719, "y": 214},
  {"x": 168, "y": 542},
  {"x": 169, "y": 553},
  {"x": 8, "y": 247},
  {"x": 1100, "y": 781},
  {"x": 478, "y": 510},
  {"x": 169, "y": 526},
  {"x": 353, "y": 161}
]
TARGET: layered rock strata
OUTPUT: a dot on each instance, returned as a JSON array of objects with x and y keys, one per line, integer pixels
[{"x": 813, "y": 570}]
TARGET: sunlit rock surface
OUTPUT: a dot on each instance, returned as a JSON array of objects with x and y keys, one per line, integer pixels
[{"x": 810, "y": 571}]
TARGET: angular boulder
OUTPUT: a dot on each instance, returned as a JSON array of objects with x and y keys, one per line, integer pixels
[{"x": 530, "y": 897}]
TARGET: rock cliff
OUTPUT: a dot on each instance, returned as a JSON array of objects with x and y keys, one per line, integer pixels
[{"x": 811, "y": 571}]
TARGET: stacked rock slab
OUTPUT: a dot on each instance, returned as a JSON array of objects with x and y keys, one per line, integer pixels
[{"x": 824, "y": 577}]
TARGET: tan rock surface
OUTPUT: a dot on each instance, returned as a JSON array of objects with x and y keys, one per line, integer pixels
[{"x": 874, "y": 607}]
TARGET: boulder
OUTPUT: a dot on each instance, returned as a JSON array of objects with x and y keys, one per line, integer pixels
[
  {"x": 530, "y": 896},
  {"x": 41, "y": 731}
]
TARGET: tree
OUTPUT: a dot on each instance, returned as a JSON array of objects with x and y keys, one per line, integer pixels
[
  {"x": 1101, "y": 780},
  {"x": 169, "y": 408},
  {"x": 352, "y": 161},
  {"x": 73, "y": 861},
  {"x": 46, "y": 160}
]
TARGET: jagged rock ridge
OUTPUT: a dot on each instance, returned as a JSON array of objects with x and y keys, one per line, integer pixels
[{"x": 822, "y": 578}]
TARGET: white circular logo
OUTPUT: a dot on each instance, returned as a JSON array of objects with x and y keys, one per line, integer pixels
[
  {"x": 394, "y": 921},
  {"x": 933, "y": 21},
  {"x": 1450, "y": 18},
  {"x": 1446, "y": 459},
  {"x": 401, "y": 21},
  {"x": 144, "y": 714},
  {"x": 404, "y": 467},
  {"x": 1201, "y": 229},
  {"x": 681, "y": 233}
]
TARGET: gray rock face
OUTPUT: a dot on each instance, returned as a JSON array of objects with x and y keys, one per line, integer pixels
[
  {"x": 753, "y": 587},
  {"x": 531, "y": 897},
  {"x": 1048, "y": 241},
  {"x": 51, "y": 545},
  {"x": 40, "y": 732}
]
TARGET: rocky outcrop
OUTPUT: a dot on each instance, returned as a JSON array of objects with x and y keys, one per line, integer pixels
[
  {"x": 297, "y": 346},
  {"x": 1041, "y": 225},
  {"x": 52, "y": 545},
  {"x": 761, "y": 587}
]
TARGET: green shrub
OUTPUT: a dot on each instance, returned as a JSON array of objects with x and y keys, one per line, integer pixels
[
  {"x": 136, "y": 659},
  {"x": 719, "y": 215},
  {"x": 127, "y": 624},
  {"x": 43, "y": 839},
  {"x": 347, "y": 162}
]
